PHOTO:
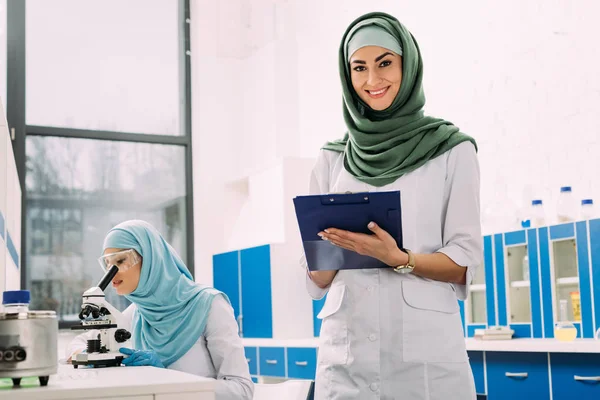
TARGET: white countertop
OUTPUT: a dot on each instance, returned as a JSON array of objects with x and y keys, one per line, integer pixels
[
  {"x": 309, "y": 342},
  {"x": 535, "y": 345},
  {"x": 115, "y": 382},
  {"x": 518, "y": 345}
]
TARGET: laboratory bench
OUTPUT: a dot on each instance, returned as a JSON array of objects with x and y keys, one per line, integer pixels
[
  {"x": 503, "y": 369},
  {"x": 139, "y": 383},
  {"x": 524, "y": 281}
]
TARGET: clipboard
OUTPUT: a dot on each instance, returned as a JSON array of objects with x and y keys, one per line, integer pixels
[{"x": 351, "y": 212}]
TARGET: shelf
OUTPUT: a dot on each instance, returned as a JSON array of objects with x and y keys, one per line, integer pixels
[
  {"x": 519, "y": 284},
  {"x": 573, "y": 280},
  {"x": 477, "y": 288}
]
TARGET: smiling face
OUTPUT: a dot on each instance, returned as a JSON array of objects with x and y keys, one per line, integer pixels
[
  {"x": 128, "y": 277},
  {"x": 376, "y": 75}
]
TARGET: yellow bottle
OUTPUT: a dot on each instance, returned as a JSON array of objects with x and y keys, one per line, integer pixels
[
  {"x": 576, "y": 304},
  {"x": 564, "y": 330}
]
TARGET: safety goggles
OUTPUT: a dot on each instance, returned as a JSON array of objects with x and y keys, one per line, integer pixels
[{"x": 123, "y": 259}]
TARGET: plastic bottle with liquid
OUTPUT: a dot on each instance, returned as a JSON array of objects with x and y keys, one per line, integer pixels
[
  {"x": 525, "y": 267},
  {"x": 564, "y": 330},
  {"x": 16, "y": 301},
  {"x": 587, "y": 209},
  {"x": 565, "y": 208},
  {"x": 538, "y": 215}
]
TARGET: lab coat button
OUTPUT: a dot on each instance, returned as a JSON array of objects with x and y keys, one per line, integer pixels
[
  {"x": 374, "y": 387},
  {"x": 372, "y": 337}
]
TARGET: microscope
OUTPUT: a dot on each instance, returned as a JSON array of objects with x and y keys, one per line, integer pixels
[{"x": 97, "y": 314}]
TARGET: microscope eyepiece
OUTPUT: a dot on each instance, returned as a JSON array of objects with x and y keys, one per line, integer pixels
[{"x": 107, "y": 278}]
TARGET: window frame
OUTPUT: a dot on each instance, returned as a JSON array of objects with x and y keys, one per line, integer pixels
[{"x": 19, "y": 130}]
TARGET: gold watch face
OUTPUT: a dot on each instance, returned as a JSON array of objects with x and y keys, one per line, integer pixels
[{"x": 403, "y": 269}]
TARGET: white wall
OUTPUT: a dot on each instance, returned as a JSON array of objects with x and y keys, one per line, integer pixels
[
  {"x": 521, "y": 77},
  {"x": 10, "y": 210}
]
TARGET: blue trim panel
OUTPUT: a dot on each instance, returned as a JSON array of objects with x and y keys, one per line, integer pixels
[
  {"x": 578, "y": 327},
  {"x": 563, "y": 231},
  {"x": 534, "y": 280},
  {"x": 514, "y": 238},
  {"x": 544, "y": 244},
  {"x": 490, "y": 288},
  {"x": 521, "y": 330},
  {"x": 471, "y": 329},
  {"x": 583, "y": 262},
  {"x": 595, "y": 252},
  {"x": 317, "y": 306},
  {"x": 501, "y": 282}
]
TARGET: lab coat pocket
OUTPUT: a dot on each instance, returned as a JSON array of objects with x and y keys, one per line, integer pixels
[
  {"x": 333, "y": 340},
  {"x": 431, "y": 325}
]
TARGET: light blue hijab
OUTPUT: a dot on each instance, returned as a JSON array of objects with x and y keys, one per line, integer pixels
[{"x": 171, "y": 308}]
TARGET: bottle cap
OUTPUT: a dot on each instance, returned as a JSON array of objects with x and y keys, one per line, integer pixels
[{"x": 16, "y": 297}]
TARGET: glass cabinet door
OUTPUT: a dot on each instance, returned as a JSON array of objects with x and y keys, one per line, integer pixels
[
  {"x": 518, "y": 284},
  {"x": 476, "y": 302},
  {"x": 565, "y": 277}
]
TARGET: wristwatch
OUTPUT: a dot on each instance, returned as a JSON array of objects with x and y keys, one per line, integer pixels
[{"x": 408, "y": 267}]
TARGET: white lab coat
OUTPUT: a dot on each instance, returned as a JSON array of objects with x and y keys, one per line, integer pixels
[
  {"x": 389, "y": 336},
  {"x": 218, "y": 353}
]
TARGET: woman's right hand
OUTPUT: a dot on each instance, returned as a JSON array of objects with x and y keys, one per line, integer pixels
[
  {"x": 322, "y": 278},
  {"x": 73, "y": 355}
]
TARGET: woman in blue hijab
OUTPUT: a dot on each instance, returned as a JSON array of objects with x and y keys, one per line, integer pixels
[{"x": 175, "y": 322}]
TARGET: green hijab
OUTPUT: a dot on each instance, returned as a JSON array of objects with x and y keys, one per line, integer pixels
[{"x": 381, "y": 146}]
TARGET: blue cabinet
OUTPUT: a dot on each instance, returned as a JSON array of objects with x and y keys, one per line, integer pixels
[
  {"x": 257, "y": 314},
  {"x": 226, "y": 277},
  {"x": 517, "y": 376},
  {"x": 480, "y": 309},
  {"x": 252, "y": 359},
  {"x": 301, "y": 362},
  {"x": 563, "y": 260},
  {"x": 566, "y": 253},
  {"x": 317, "y": 306},
  {"x": 272, "y": 361},
  {"x": 245, "y": 276},
  {"x": 575, "y": 376},
  {"x": 518, "y": 296},
  {"x": 478, "y": 367}
]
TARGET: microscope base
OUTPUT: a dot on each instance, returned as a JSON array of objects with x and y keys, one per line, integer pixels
[{"x": 109, "y": 362}]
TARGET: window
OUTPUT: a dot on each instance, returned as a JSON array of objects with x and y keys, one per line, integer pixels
[
  {"x": 3, "y": 50},
  {"x": 104, "y": 135},
  {"x": 77, "y": 189},
  {"x": 105, "y": 65}
]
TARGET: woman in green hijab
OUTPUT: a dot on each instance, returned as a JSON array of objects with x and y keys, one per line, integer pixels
[{"x": 396, "y": 333}]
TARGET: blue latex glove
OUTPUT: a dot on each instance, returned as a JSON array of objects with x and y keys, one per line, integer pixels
[{"x": 140, "y": 357}]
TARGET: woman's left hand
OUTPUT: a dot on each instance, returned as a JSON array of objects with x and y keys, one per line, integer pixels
[
  {"x": 381, "y": 245},
  {"x": 139, "y": 358}
]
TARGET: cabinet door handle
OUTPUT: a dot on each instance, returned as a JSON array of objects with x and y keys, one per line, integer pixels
[
  {"x": 516, "y": 374},
  {"x": 272, "y": 362},
  {"x": 302, "y": 363},
  {"x": 587, "y": 378}
]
